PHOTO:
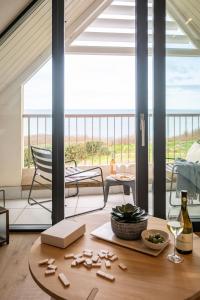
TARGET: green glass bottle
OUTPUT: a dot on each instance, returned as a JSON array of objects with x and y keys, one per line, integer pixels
[{"x": 184, "y": 243}]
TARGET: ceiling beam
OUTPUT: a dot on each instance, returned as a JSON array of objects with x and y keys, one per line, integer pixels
[
  {"x": 125, "y": 24},
  {"x": 129, "y": 2},
  {"x": 126, "y": 37},
  {"x": 123, "y": 10},
  {"x": 102, "y": 50},
  {"x": 85, "y": 19}
]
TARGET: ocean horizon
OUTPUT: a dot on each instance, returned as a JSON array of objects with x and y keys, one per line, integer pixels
[{"x": 107, "y": 111}]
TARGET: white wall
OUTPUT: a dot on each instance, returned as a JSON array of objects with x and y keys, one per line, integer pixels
[
  {"x": 10, "y": 136},
  {"x": 11, "y": 125}
]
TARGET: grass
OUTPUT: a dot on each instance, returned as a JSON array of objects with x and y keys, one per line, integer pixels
[{"x": 124, "y": 153}]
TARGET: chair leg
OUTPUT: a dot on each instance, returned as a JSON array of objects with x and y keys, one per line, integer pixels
[
  {"x": 96, "y": 209},
  {"x": 107, "y": 187},
  {"x": 77, "y": 192},
  {"x": 35, "y": 202},
  {"x": 32, "y": 201},
  {"x": 103, "y": 188},
  {"x": 171, "y": 186},
  {"x": 29, "y": 195}
]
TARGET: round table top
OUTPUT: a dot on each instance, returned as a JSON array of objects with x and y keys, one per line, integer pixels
[
  {"x": 146, "y": 278},
  {"x": 121, "y": 177}
]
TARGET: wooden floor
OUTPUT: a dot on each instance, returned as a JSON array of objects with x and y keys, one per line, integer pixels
[{"x": 16, "y": 282}]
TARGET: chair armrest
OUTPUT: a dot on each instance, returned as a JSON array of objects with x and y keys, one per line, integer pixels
[
  {"x": 87, "y": 170},
  {"x": 72, "y": 160}
]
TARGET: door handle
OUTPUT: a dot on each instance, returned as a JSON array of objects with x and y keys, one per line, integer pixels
[{"x": 142, "y": 129}]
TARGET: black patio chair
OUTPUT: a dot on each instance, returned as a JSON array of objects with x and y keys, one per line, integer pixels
[
  {"x": 171, "y": 175},
  {"x": 42, "y": 160}
]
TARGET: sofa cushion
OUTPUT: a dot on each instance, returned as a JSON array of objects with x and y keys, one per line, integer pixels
[{"x": 193, "y": 153}]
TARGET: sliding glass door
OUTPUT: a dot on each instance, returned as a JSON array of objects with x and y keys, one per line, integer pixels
[
  {"x": 137, "y": 42},
  {"x": 144, "y": 41}
]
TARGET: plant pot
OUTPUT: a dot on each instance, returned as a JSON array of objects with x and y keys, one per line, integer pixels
[{"x": 128, "y": 231}]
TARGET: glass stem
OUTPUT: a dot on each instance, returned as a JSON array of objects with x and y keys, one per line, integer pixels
[{"x": 174, "y": 245}]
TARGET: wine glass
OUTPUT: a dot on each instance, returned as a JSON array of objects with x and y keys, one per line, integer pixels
[
  {"x": 118, "y": 167},
  {"x": 175, "y": 226},
  {"x": 127, "y": 167}
]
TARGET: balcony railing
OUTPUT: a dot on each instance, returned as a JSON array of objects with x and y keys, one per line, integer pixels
[{"x": 91, "y": 139}]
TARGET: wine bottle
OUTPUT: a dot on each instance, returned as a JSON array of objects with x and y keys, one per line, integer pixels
[
  {"x": 112, "y": 165},
  {"x": 184, "y": 242}
]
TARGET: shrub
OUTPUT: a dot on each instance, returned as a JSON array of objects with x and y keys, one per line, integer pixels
[
  {"x": 76, "y": 151},
  {"x": 26, "y": 156},
  {"x": 96, "y": 147}
]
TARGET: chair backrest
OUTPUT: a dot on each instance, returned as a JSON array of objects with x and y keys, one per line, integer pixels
[{"x": 42, "y": 159}]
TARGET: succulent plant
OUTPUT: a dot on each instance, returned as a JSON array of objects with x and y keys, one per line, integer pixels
[{"x": 129, "y": 213}]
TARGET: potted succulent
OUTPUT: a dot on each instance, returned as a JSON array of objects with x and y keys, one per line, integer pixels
[{"x": 128, "y": 221}]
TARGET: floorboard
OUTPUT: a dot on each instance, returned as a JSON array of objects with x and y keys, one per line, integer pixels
[{"x": 16, "y": 282}]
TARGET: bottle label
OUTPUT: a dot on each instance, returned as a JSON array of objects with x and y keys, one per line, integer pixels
[{"x": 184, "y": 242}]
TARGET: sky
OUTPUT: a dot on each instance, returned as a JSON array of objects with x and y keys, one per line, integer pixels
[{"x": 96, "y": 82}]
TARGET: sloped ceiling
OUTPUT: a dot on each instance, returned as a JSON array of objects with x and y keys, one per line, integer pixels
[
  {"x": 187, "y": 15},
  {"x": 9, "y": 10},
  {"x": 33, "y": 37},
  {"x": 25, "y": 44}
]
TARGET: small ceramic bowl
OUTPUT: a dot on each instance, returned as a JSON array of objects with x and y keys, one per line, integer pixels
[{"x": 146, "y": 233}]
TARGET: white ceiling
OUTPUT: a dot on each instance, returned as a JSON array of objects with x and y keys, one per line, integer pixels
[
  {"x": 31, "y": 40},
  {"x": 91, "y": 27},
  {"x": 9, "y": 10},
  {"x": 114, "y": 30}
]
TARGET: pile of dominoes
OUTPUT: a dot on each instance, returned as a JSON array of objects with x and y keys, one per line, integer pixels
[{"x": 89, "y": 259}]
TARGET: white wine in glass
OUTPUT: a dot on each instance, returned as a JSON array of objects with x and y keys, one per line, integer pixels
[{"x": 175, "y": 227}]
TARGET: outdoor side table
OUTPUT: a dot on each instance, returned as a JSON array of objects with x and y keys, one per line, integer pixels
[
  {"x": 4, "y": 226},
  {"x": 127, "y": 185}
]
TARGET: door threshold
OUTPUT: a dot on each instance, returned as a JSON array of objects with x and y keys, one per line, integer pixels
[{"x": 28, "y": 227}]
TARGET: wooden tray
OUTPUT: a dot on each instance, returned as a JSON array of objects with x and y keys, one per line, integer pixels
[{"x": 105, "y": 232}]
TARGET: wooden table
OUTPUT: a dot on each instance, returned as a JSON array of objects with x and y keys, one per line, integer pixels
[{"x": 147, "y": 277}]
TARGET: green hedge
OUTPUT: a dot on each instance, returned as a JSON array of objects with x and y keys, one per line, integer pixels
[
  {"x": 79, "y": 152},
  {"x": 99, "y": 153}
]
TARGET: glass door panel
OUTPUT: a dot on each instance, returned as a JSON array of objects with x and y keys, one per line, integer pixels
[
  {"x": 182, "y": 106},
  {"x": 100, "y": 102}
]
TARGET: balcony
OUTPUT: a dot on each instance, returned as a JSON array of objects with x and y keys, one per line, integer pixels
[{"x": 91, "y": 139}]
